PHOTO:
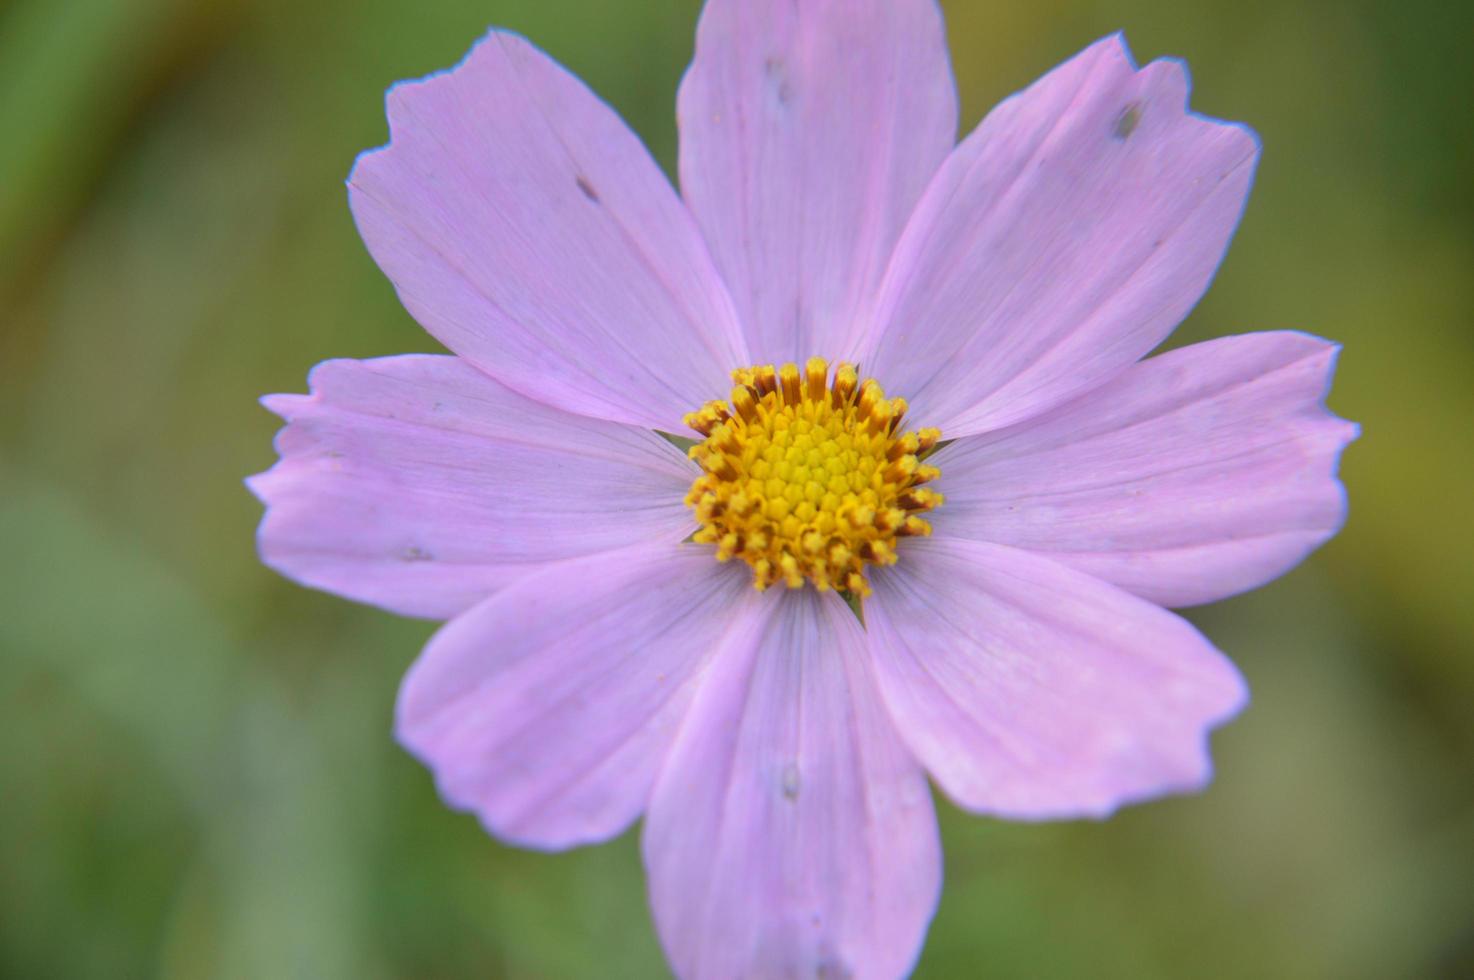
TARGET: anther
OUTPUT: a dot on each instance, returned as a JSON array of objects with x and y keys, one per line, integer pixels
[
  {"x": 907, "y": 445},
  {"x": 898, "y": 412},
  {"x": 788, "y": 377},
  {"x": 914, "y": 527},
  {"x": 901, "y": 469},
  {"x": 919, "y": 499},
  {"x": 816, "y": 372},
  {"x": 880, "y": 414},
  {"x": 845, "y": 382},
  {"x": 745, "y": 403}
]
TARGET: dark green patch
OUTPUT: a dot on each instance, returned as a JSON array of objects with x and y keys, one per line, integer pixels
[
  {"x": 1127, "y": 121},
  {"x": 680, "y": 442},
  {"x": 934, "y": 449}
]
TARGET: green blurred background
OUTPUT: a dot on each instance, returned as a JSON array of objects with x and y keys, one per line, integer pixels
[{"x": 197, "y": 777}]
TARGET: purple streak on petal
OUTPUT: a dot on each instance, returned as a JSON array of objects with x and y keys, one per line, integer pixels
[
  {"x": 548, "y": 709},
  {"x": 418, "y": 484},
  {"x": 808, "y": 132},
  {"x": 527, "y": 228},
  {"x": 1032, "y": 691},
  {"x": 1189, "y": 477},
  {"x": 790, "y": 832},
  {"x": 1061, "y": 241}
]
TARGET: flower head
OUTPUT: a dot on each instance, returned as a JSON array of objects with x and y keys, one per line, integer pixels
[
  {"x": 607, "y": 655},
  {"x": 809, "y": 481}
]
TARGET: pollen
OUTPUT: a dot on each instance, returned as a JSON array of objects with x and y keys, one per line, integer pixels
[{"x": 809, "y": 478}]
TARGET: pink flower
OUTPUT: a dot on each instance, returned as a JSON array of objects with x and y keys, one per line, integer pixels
[{"x": 600, "y": 664}]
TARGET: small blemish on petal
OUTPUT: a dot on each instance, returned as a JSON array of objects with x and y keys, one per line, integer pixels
[
  {"x": 777, "y": 72},
  {"x": 832, "y": 969},
  {"x": 415, "y": 553},
  {"x": 1127, "y": 121},
  {"x": 587, "y": 188},
  {"x": 790, "y": 781}
]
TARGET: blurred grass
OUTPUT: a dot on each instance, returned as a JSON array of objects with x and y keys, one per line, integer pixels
[{"x": 196, "y": 772}]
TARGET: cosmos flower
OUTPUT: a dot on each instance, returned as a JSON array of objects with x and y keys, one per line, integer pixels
[{"x": 936, "y": 501}]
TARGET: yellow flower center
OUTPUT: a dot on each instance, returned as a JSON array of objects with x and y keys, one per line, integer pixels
[{"x": 807, "y": 479}]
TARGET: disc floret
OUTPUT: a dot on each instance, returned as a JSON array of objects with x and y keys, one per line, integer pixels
[{"x": 808, "y": 478}]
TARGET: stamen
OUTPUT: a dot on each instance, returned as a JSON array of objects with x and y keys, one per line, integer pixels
[{"x": 808, "y": 480}]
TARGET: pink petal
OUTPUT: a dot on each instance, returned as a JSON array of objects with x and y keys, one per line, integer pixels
[
  {"x": 1032, "y": 691},
  {"x": 418, "y": 484},
  {"x": 1059, "y": 243},
  {"x": 528, "y": 229},
  {"x": 808, "y": 132},
  {"x": 1189, "y": 477},
  {"x": 790, "y": 833},
  {"x": 548, "y": 709}
]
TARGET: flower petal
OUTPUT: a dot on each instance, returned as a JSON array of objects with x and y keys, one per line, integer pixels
[
  {"x": 527, "y": 228},
  {"x": 790, "y": 833},
  {"x": 1059, "y": 243},
  {"x": 548, "y": 709},
  {"x": 808, "y": 132},
  {"x": 1032, "y": 691},
  {"x": 420, "y": 485},
  {"x": 1189, "y": 477}
]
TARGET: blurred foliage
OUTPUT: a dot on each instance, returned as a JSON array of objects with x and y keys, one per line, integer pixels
[{"x": 196, "y": 772}]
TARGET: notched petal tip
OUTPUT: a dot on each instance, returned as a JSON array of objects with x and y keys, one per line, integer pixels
[
  {"x": 1096, "y": 205},
  {"x": 419, "y": 485},
  {"x": 1169, "y": 79},
  {"x": 1228, "y": 449},
  {"x": 804, "y": 125},
  {"x": 1221, "y": 698},
  {"x": 1115, "y": 47},
  {"x": 397, "y": 99},
  {"x": 526, "y": 227},
  {"x": 321, "y": 378},
  {"x": 403, "y": 93},
  {"x": 1176, "y": 76},
  {"x": 547, "y": 712},
  {"x": 1329, "y": 354},
  {"x": 259, "y": 484},
  {"x": 1116, "y": 708},
  {"x": 788, "y": 744},
  {"x": 285, "y": 404}
]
